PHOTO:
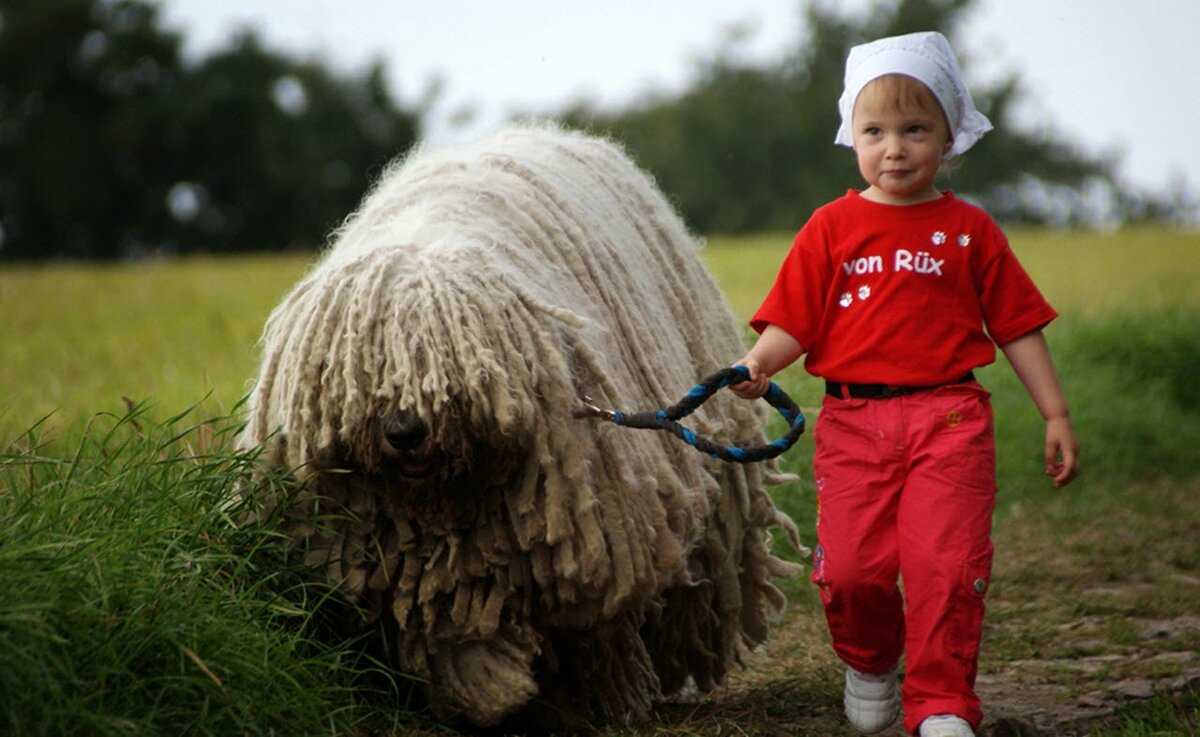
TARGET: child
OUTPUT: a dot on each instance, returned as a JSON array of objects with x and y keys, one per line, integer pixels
[{"x": 887, "y": 293}]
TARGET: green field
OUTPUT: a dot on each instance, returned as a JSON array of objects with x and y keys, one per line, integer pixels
[
  {"x": 81, "y": 339},
  {"x": 130, "y": 605}
]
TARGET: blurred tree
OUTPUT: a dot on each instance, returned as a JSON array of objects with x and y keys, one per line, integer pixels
[
  {"x": 83, "y": 91},
  {"x": 111, "y": 145},
  {"x": 276, "y": 152},
  {"x": 751, "y": 147}
]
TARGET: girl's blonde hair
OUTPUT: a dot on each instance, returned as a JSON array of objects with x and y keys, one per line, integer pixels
[{"x": 902, "y": 92}]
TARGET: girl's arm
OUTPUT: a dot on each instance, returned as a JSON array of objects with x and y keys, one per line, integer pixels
[
  {"x": 774, "y": 351},
  {"x": 1030, "y": 359}
]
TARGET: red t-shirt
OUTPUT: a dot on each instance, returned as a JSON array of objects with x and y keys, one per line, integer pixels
[{"x": 901, "y": 295}]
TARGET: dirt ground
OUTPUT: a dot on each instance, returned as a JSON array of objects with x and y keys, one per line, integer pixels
[
  {"x": 1029, "y": 697},
  {"x": 1078, "y": 626}
]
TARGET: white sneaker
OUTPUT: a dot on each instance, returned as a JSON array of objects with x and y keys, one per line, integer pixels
[
  {"x": 872, "y": 701},
  {"x": 946, "y": 725}
]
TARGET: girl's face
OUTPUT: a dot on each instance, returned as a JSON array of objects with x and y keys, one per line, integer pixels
[{"x": 899, "y": 140}]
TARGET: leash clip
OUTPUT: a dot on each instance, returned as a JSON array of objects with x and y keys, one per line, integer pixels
[{"x": 592, "y": 410}]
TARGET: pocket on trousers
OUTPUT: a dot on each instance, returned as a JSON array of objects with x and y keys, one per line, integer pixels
[
  {"x": 973, "y": 585},
  {"x": 964, "y": 444},
  {"x": 843, "y": 447}
]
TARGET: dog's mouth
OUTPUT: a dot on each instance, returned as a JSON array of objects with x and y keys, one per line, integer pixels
[{"x": 414, "y": 469}]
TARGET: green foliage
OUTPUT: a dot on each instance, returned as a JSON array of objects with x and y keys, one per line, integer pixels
[
  {"x": 84, "y": 96},
  {"x": 279, "y": 152},
  {"x": 1169, "y": 715},
  {"x": 1155, "y": 352},
  {"x": 114, "y": 146},
  {"x": 132, "y": 601},
  {"x": 1128, "y": 379}
]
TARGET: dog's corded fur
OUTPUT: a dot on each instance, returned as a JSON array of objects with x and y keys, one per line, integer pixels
[{"x": 522, "y": 556}]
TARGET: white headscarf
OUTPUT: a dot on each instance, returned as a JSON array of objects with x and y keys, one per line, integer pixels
[{"x": 926, "y": 57}]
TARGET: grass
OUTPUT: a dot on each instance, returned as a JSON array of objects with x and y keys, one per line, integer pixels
[
  {"x": 1160, "y": 717},
  {"x": 80, "y": 339},
  {"x": 130, "y": 603}
]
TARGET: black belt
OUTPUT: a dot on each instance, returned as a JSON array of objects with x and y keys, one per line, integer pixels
[{"x": 883, "y": 391}]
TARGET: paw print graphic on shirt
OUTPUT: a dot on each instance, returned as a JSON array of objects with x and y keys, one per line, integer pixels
[
  {"x": 847, "y": 298},
  {"x": 964, "y": 239},
  {"x": 939, "y": 238}
]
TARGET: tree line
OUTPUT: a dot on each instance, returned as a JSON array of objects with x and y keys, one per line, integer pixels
[{"x": 112, "y": 144}]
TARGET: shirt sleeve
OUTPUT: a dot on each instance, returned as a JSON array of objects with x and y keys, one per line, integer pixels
[
  {"x": 795, "y": 302},
  {"x": 1012, "y": 304}
]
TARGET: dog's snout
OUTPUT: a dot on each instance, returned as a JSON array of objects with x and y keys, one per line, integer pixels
[{"x": 404, "y": 431}]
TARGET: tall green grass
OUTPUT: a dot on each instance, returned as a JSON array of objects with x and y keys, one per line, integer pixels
[{"x": 134, "y": 602}]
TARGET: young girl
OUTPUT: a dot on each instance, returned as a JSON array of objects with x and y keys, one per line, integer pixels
[{"x": 887, "y": 293}]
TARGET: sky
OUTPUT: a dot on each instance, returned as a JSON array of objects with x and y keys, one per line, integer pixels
[{"x": 1113, "y": 76}]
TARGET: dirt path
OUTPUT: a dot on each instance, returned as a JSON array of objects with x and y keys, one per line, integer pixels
[
  {"x": 1079, "y": 625},
  {"x": 793, "y": 686}
]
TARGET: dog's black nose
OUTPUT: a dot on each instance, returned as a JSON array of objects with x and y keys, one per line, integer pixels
[{"x": 404, "y": 431}]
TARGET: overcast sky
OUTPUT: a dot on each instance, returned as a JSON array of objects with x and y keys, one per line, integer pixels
[{"x": 1114, "y": 75}]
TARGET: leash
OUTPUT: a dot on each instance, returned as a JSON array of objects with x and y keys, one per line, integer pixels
[{"x": 668, "y": 419}]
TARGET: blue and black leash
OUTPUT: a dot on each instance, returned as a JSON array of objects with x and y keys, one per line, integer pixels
[{"x": 668, "y": 419}]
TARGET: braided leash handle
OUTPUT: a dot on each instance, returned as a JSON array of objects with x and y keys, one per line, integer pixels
[{"x": 668, "y": 419}]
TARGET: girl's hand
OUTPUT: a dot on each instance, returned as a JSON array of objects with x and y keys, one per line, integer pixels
[
  {"x": 774, "y": 350},
  {"x": 1062, "y": 451},
  {"x": 756, "y": 385},
  {"x": 1030, "y": 358}
]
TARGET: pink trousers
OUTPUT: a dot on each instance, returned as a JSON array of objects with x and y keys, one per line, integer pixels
[{"x": 906, "y": 487}]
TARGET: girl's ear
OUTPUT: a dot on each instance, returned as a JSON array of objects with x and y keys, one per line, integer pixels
[{"x": 948, "y": 145}]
